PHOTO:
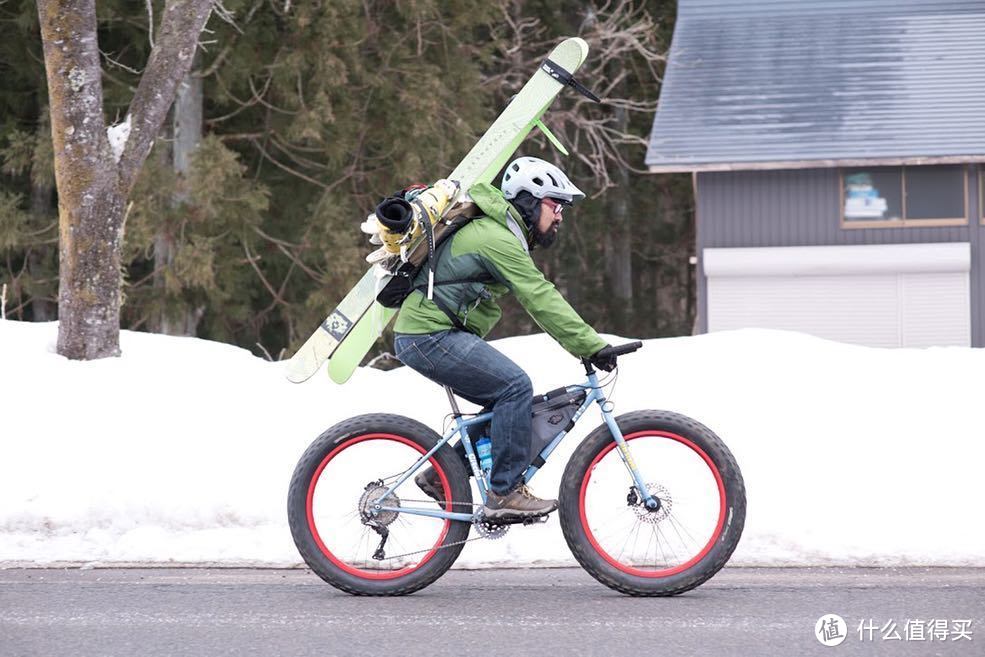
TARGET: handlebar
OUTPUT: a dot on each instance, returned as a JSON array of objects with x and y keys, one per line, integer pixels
[
  {"x": 621, "y": 349},
  {"x": 617, "y": 350}
]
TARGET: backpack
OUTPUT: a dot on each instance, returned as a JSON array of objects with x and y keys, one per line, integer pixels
[{"x": 427, "y": 252}]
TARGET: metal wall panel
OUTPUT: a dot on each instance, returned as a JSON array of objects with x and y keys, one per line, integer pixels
[
  {"x": 977, "y": 256},
  {"x": 801, "y": 207}
]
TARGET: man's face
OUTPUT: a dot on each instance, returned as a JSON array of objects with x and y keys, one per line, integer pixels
[{"x": 546, "y": 226}]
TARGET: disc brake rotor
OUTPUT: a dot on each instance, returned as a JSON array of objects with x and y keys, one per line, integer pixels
[{"x": 666, "y": 504}]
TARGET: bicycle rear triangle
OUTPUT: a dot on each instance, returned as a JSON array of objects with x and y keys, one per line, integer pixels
[{"x": 651, "y": 502}]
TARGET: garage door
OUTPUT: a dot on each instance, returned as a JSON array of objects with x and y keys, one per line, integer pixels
[{"x": 899, "y": 295}]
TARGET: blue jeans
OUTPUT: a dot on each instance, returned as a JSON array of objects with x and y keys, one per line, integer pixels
[{"x": 477, "y": 372}]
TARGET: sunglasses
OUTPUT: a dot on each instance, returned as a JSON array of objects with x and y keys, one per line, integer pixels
[{"x": 557, "y": 207}]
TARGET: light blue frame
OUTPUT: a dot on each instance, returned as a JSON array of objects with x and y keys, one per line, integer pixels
[{"x": 594, "y": 395}]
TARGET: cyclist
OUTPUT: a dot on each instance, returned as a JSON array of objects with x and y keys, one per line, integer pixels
[{"x": 442, "y": 337}]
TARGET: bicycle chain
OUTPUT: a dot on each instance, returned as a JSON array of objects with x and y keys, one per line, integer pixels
[
  {"x": 453, "y": 544},
  {"x": 443, "y": 502}
]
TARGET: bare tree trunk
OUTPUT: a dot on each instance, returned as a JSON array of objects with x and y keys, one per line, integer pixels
[
  {"x": 187, "y": 126},
  {"x": 187, "y": 135},
  {"x": 42, "y": 203},
  {"x": 93, "y": 180},
  {"x": 90, "y": 203},
  {"x": 42, "y": 310},
  {"x": 619, "y": 247}
]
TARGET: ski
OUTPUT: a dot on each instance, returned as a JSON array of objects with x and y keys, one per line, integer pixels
[{"x": 349, "y": 332}]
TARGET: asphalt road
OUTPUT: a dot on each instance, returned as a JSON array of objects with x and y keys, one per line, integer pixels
[{"x": 548, "y": 613}]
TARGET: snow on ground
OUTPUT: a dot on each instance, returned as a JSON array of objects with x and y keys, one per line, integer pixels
[{"x": 182, "y": 449}]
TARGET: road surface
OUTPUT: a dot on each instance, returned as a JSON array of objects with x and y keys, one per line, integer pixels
[{"x": 548, "y": 613}]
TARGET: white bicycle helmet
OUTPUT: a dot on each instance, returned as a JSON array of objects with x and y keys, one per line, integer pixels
[{"x": 540, "y": 178}]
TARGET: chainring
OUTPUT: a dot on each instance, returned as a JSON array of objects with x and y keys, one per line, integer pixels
[{"x": 486, "y": 529}]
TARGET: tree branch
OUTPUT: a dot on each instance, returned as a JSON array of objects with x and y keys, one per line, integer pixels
[{"x": 169, "y": 63}]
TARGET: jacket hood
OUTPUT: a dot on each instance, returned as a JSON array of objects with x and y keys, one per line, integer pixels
[{"x": 495, "y": 206}]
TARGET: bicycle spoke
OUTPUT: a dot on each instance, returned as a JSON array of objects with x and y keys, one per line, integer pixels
[
  {"x": 677, "y": 531},
  {"x": 344, "y": 515},
  {"x": 675, "y": 523}
]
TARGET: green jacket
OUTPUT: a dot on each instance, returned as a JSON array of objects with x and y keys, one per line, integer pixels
[{"x": 494, "y": 246}]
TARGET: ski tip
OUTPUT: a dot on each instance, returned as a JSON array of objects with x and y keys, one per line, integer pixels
[
  {"x": 340, "y": 376},
  {"x": 297, "y": 378},
  {"x": 571, "y": 46},
  {"x": 298, "y": 372}
]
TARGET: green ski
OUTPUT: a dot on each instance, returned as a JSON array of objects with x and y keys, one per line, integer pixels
[{"x": 347, "y": 335}]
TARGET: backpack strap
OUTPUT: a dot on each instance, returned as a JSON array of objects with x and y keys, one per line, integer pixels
[
  {"x": 424, "y": 288},
  {"x": 438, "y": 246},
  {"x": 514, "y": 227}
]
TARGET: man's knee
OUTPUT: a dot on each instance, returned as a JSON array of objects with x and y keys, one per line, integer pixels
[{"x": 520, "y": 386}]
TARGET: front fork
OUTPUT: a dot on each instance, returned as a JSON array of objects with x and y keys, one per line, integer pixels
[{"x": 650, "y": 501}]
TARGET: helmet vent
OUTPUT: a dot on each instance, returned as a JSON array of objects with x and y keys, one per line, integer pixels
[{"x": 538, "y": 181}]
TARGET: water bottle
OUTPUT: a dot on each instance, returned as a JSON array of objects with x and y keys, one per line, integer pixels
[{"x": 483, "y": 447}]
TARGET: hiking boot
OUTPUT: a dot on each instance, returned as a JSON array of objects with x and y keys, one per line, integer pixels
[
  {"x": 519, "y": 503},
  {"x": 429, "y": 482}
]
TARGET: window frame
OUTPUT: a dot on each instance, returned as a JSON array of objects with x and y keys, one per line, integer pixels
[
  {"x": 981, "y": 194},
  {"x": 903, "y": 222}
]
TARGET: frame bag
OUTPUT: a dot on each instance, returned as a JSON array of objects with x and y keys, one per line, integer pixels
[{"x": 552, "y": 413}]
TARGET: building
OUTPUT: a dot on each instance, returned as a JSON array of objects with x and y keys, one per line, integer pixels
[{"x": 838, "y": 156}]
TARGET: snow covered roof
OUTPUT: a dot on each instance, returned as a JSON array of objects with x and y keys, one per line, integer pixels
[{"x": 795, "y": 83}]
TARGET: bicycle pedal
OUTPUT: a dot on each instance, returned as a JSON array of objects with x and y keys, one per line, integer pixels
[{"x": 515, "y": 520}]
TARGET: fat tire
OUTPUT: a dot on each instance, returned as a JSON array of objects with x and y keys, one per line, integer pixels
[
  {"x": 602, "y": 570},
  {"x": 297, "y": 516}
]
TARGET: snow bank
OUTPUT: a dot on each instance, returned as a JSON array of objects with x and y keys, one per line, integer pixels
[{"x": 182, "y": 449}]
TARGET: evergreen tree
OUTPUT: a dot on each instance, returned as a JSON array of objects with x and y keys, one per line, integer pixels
[{"x": 312, "y": 112}]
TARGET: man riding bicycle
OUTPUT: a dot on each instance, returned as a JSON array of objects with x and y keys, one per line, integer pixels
[{"x": 442, "y": 337}]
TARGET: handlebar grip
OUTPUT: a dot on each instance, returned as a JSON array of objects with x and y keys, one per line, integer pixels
[
  {"x": 628, "y": 348},
  {"x": 621, "y": 349}
]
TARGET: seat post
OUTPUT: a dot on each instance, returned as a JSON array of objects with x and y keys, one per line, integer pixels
[{"x": 454, "y": 403}]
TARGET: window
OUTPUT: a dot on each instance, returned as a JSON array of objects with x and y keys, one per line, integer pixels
[
  {"x": 935, "y": 192},
  {"x": 891, "y": 197}
]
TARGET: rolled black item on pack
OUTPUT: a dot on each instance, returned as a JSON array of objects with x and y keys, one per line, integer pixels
[{"x": 395, "y": 214}]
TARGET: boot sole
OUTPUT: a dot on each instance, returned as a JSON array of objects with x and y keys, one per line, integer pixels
[
  {"x": 502, "y": 515},
  {"x": 428, "y": 490}
]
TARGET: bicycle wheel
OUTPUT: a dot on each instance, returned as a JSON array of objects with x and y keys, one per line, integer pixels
[
  {"x": 340, "y": 478},
  {"x": 664, "y": 552}
]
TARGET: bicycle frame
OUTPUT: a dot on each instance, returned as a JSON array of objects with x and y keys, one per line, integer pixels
[{"x": 461, "y": 425}]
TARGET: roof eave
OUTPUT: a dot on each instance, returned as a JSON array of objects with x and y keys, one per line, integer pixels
[{"x": 691, "y": 167}]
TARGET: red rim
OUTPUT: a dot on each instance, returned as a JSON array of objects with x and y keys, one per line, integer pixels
[
  {"x": 369, "y": 574},
  {"x": 666, "y": 572}
]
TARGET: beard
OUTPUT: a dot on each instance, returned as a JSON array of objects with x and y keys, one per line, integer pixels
[{"x": 547, "y": 238}]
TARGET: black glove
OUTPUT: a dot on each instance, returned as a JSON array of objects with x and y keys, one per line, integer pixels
[{"x": 604, "y": 360}]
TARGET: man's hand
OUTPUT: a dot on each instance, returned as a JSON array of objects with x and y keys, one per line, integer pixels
[{"x": 604, "y": 360}]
